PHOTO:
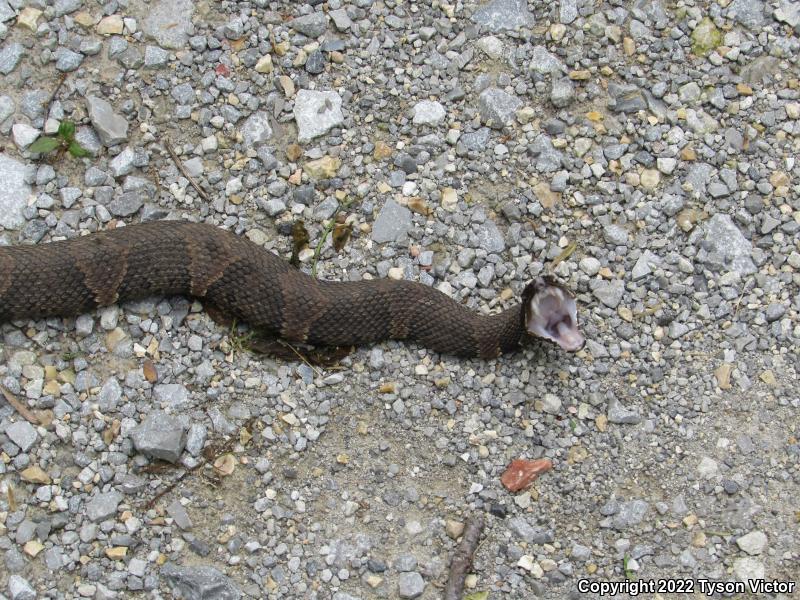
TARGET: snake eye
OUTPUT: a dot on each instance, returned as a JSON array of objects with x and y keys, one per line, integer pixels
[{"x": 552, "y": 314}]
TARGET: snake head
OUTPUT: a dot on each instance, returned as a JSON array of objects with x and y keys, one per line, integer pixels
[{"x": 550, "y": 312}]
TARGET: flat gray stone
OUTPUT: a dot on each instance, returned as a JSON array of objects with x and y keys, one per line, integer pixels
[
  {"x": 111, "y": 127},
  {"x": 178, "y": 512},
  {"x": 644, "y": 264},
  {"x": 562, "y": 93},
  {"x": 67, "y": 60},
  {"x": 24, "y": 135},
  {"x": 160, "y": 436},
  {"x": 14, "y": 192},
  {"x": 545, "y": 62},
  {"x": 316, "y": 113},
  {"x": 20, "y": 589},
  {"x": 172, "y": 395},
  {"x": 392, "y": 224},
  {"x": 10, "y": 56},
  {"x": 168, "y": 22},
  {"x": 103, "y": 506},
  {"x": 490, "y": 238},
  {"x": 630, "y": 514},
  {"x": 749, "y": 13},
  {"x": 748, "y": 569},
  {"x": 199, "y": 583},
  {"x": 497, "y": 107},
  {"x": 122, "y": 163},
  {"x": 6, "y": 12},
  {"x": 499, "y": 15},
  {"x": 548, "y": 158},
  {"x": 7, "y": 108},
  {"x": 615, "y": 234},
  {"x": 626, "y": 98},
  {"x": 23, "y": 434},
  {"x": 256, "y": 129},
  {"x": 410, "y": 585},
  {"x": 609, "y": 292},
  {"x": 621, "y": 414},
  {"x": 155, "y": 57},
  {"x": 724, "y": 240},
  {"x": 313, "y": 25},
  {"x": 753, "y": 543},
  {"x": 428, "y": 112},
  {"x": 788, "y": 12},
  {"x": 567, "y": 11}
]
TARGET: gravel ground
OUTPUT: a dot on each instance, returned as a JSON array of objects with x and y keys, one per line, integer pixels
[{"x": 470, "y": 147}]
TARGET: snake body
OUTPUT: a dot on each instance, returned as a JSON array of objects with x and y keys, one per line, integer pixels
[{"x": 246, "y": 282}]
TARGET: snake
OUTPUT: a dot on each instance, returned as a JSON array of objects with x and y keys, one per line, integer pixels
[{"x": 246, "y": 282}]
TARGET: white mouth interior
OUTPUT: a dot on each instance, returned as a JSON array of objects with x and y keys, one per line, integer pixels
[{"x": 553, "y": 315}]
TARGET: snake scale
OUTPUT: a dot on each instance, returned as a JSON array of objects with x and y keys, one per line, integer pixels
[{"x": 248, "y": 283}]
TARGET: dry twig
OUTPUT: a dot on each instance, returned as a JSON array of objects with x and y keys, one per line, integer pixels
[
  {"x": 462, "y": 559},
  {"x": 23, "y": 410},
  {"x": 200, "y": 191}
]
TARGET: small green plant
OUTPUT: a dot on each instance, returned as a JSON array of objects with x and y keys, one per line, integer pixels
[{"x": 64, "y": 139}]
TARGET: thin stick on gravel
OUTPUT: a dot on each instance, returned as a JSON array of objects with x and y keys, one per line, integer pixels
[
  {"x": 200, "y": 191},
  {"x": 462, "y": 559},
  {"x": 19, "y": 406}
]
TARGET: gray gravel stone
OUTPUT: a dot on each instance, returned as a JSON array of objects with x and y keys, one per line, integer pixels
[
  {"x": 754, "y": 542},
  {"x": 392, "y": 224},
  {"x": 22, "y": 434},
  {"x": 10, "y": 55},
  {"x": 169, "y": 22},
  {"x": 171, "y": 395},
  {"x": 724, "y": 239},
  {"x": 428, "y": 112},
  {"x": 498, "y": 107},
  {"x": 313, "y": 25},
  {"x": 618, "y": 413},
  {"x": 111, "y": 127},
  {"x": 20, "y": 589},
  {"x": 562, "y": 94},
  {"x": 199, "y": 583},
  {"x": 256, "y": 130},
  {"x": 178, "y": 512},
  {"x": 6, "y": 12},
  {"x": 160, "y": 436},
  {"x": 499, "y": 15},
  {"x": 67, "y": 60},
  {"x": 316, "y": 113},
  {"x": 630, "y": 514},
  {"x": 410, "y": 585},
  {"x": 103, "y": 506}
]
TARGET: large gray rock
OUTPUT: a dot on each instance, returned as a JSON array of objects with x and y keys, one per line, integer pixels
[
  {"x": 749, "y": 13},
  {"x": 199, "y": 583},
  {"x": 545, "y": 62},
  {"x": 6, "y": 12},
  {"x": 103, "y": 506},
  {"x": 22, "y": 434},
  {"x": 20, "y": 589},
  {"x": 316, "y": 113},
  {"x": 726, "y": 245},
  {"x": 111, "y": 127},
  {"x": 504, "y": 14},
  {"x": 160, "y": 436},
  {"x": 497, "y": 107},
  {"x": 256, "y": 129},
  {"x": 168, "y": 22},
  {"x": 14, "y": 192},
  {"x": 313, "y": 25},
  {"x": 10, "y": 56},
  {"x": 428, "y": 112},
  {"x": 410, "y": 585},
  {"x": 392, "y": 224}
]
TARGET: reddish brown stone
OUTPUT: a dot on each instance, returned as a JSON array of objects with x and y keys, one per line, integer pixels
[{"x": 522, "y": 472}]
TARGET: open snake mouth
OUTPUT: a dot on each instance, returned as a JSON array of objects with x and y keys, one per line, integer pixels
[{"x": 552, "y": 313}]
